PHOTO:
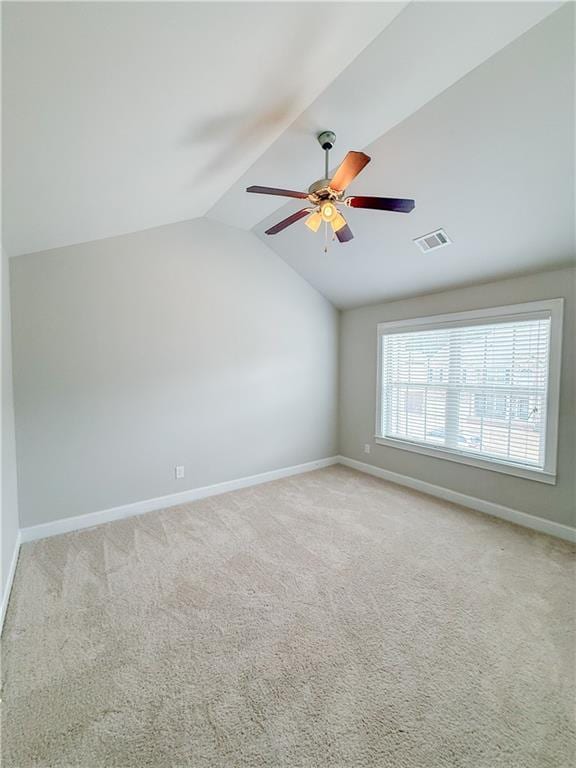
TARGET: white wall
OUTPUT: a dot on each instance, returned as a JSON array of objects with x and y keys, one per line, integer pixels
[
  {"x": 358, "y": 397},
  {"x": 188, "y": 344},
  {"x": 194, "y": 344},
  {"x": 9, "y": 508}
]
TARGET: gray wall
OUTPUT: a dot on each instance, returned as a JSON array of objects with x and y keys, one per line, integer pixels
[
  {"x": 9, "y": 508},
  {"x": 358, "y": 396},
  {"x": 188, "y": 344}
]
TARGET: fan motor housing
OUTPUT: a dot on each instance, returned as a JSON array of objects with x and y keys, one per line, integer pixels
[
  {"x": 319, "y": 187},
  {"x": 321, "y": 190}
]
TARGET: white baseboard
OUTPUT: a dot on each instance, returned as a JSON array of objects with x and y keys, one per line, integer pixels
[
  {"x": 490, "y": 508},
  {"x": 9, "y": 580},
  {"x": 90, "y": 519}
]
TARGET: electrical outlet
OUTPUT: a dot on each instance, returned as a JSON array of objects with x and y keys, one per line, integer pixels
[
  {"x": 366, "y": 447},
  {"x": 179, "y": 472}
]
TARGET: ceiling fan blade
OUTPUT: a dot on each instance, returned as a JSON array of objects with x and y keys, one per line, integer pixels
[
  {"x": 286, "y": 222},
  {"x": 275, "y": 191},
  {"x": 344, "y": 234},
  {"x": 396, "y": 204},
  {"x": 348, "y": 169}
]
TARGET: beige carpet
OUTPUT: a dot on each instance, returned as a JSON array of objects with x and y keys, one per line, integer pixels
[{"x": 326, "y": 620}]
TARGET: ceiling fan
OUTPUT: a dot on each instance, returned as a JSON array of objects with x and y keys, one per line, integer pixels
[{"x": 325, "y": 195}]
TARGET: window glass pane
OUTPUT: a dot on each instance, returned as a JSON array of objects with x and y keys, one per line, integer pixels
[{"x": 477, "y": 389}]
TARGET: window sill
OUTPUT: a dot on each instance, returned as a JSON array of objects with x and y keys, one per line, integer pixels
[{"x": 472, "y": 461}]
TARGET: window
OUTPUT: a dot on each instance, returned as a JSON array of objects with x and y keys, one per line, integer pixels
[{"x": 476, "y": 387}]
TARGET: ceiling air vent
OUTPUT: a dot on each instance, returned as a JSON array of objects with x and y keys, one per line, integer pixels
[{"x": 437, "y": 239}]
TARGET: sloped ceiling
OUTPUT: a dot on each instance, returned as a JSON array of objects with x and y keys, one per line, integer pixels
[
  {"x": 490, "y": 160},
  {"x": 123, "y": 116},
  {"x": 422, "y": 52},
  {"x": 118, "y": 117}
]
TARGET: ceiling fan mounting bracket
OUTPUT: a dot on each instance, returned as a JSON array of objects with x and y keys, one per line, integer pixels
[{"x": 327, "y": 139}]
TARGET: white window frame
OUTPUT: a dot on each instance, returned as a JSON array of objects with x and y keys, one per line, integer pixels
[{"x": 525, "y": 311}]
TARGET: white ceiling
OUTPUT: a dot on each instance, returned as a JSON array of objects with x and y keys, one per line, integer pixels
[
  {"x": 491, "y": 160},
  {"x": 423, "y": 51},
  {"x": 123, "y": 116},
  {"x": 118, "y": 117}
]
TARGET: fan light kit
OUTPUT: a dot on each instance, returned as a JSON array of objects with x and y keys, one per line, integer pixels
[{"x": 327, "y": 194}]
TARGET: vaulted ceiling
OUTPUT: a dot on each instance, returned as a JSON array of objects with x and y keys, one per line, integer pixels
[
  {"x": 118, "y": 117},
  {"x": 123, "y": 116},
  {"x": 490, "y": 160}
]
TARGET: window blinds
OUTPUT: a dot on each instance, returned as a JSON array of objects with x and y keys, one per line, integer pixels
[{"x": 476, "y": 389}]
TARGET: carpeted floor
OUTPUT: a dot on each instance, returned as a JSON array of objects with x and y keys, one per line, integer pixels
[{"x": 329, "y": 620}]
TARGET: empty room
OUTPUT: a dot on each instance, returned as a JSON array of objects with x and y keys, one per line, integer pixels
[{"x": 288, "y": 385}]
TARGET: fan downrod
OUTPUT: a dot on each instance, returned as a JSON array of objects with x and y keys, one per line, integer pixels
[{"x": 326, "y": 139}]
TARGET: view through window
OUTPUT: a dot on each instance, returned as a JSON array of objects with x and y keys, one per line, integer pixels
[{"x": 474, "y": 389}]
